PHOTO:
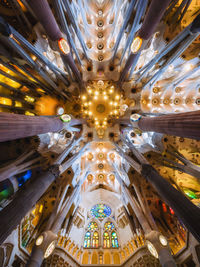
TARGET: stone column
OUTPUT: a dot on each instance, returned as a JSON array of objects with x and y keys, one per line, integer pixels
[
  {"x": 36, "y": 256},
  {"x": 45, "y": 245},
  {"x": 24, "y": 200},
  {"x": 137, "y": 210},
  {"x": 44, "y": 14},
  {"x": 14, "y": 126},
  {"x": 158, "y": 242},
  {"x": 151, "y": 20},
  {"x": 185, "y": 124},
  {"x": 184, "y": 209}
]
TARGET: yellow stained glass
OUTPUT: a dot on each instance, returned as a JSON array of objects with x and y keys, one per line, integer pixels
[
  {"x": 18, "y": 104},
  {"x": 106, "y": 240},
  {"x": 5, "y": 101},
  {"x": 95, "y": 240}
]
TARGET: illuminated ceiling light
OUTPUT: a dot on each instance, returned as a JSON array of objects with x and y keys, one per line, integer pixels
[
  {"x": 152, "y": 249},
  {"x": 111, "y": 103},
  {"x": 83, "y": 97},
  {"x": 50, "y": 249},
  {"x": 111, "y": 91},
  {"x": 100, "y": 83},
  {"x": 95, "y": 97},
  {"x": 115, "y": 104},
  {"x": 90, "y": 112},
  {"x": 136, "y": 44},
  {"x": 89, "y": 103},
  {"x": 65, "y": 118},
  {"x": 63, "y": 46},
  {"x": 105, "y": 97},
  {"x": 96, "y": 93},
  {"x": 115, "y": 111},
  {"x": 90, "y": 91},
  {"x": 117, "y": 97},
  {"x": 60, "y": 110},
  {"x": 39, "y": 240},
  {"x": 163, "y": 240},
  {"x": 188, "y": 67}
]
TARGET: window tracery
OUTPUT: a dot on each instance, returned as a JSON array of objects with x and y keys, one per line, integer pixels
[{"x": 109, "y": 236}]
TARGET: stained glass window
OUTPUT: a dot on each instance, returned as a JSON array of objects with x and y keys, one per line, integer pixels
[
  {"x": 95, "y": 240},
  {"x": 92, "y": 226},
  {"x": 109, "y": 226},
  {"x": 106, "y": 240},
  {"x": 87, "y": 240},
  {"x": 114, "y": 240},
  {"x": 101, "y": 211}
]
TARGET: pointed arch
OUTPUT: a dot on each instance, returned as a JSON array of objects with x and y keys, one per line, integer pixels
[
  {"x": 107, "y": 258},
  {"x": 94, "y": 258},
  {"x": 116, "y": 258},
  {"x": 85, "y": 258}
]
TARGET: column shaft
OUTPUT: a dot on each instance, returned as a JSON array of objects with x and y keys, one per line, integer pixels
[
  {"x": 153, "y": 17},
  {"x": 36, "y": 258},
  {"x": 14, "y": 126},
  {"x": 185, "y": 124},
  {"x": 22, "y": 202},
  {"x": 44, "y": 14},
  {"x": 184, "y": 209}
]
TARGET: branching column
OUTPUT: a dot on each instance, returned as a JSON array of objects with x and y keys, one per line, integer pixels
[
  {"x": 14, "y": 126},
  {"x": 24, "y": 200},
  {"x": 185, "y": 124}
]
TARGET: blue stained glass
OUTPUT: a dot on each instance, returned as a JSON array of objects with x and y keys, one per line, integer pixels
[
  {"x": 87, "y": 240},
  {"x": 100, "y": 211},
  {"x": 109, "y": 226},
  {"x": 22, "y": 179},
  {"x": 114, "y": 240}
]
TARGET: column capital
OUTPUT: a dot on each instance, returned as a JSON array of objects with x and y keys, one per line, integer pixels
[{"x": 135, "y": 118}]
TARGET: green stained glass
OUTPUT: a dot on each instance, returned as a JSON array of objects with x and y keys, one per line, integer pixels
[
  {"x": 109, "y": 226},
  {"x": 100, "y": 211},
  {"x": 190, "y": 193}
]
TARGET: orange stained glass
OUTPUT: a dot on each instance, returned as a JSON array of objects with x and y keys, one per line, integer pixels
[{"x": 95, "y": 240}]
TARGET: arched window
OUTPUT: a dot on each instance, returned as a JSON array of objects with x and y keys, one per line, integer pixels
[
  {"x": 87, "y": 240},
  {"x": 106, "y": 240},
  {"x": 92, "y": 236},
  {"x": 95, "y": 240},
  {"x": 114, "y": 240},
  {"x": 110, "y": 238}
]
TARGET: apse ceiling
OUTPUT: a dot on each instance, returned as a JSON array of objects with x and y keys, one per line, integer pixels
[{"x": 101, "y": 62}]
